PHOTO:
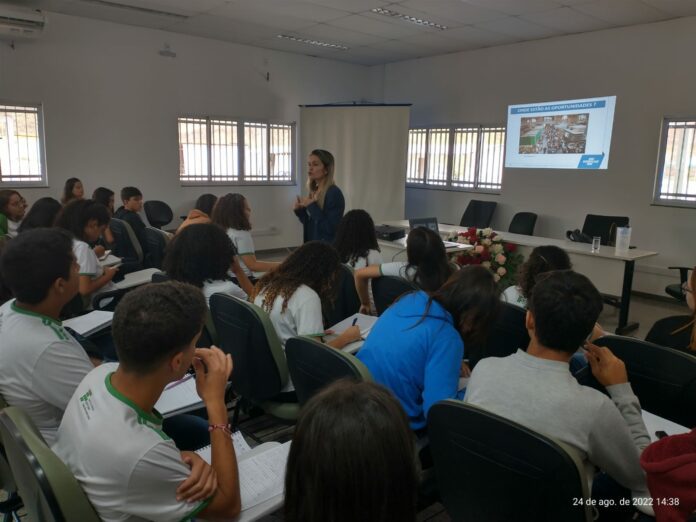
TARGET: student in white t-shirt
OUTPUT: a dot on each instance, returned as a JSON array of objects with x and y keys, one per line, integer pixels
[
  {"x": 542, "y": 259},
  {"x": 111, "y": 436},
  {"x": 200, "y": 255},
  {"x": 427, "y": 265},
  {"x": 232, "y": 213},
  {"x": 295, "y": 293},
  {"x": 86, "y": 220},
  {"x": 356, "y": 240},
  {"x": 40, "y": 362}
]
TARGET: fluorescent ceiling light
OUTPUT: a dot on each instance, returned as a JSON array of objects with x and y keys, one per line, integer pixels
[
  {"x": 127, "y": 7},
  {"x": 312, "y": 42},
  {"x": 407, "y": 18}
]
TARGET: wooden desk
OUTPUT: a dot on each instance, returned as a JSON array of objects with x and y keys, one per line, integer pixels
[{"x": 610, "y": 271}]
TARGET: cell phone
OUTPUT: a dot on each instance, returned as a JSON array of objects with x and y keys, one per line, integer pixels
[{"x": 660, "y": 434}]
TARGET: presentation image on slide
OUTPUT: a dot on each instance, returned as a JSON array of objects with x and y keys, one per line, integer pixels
[
  {"x": 566, "y": 134},
  {"x": 573, "y": 134}
]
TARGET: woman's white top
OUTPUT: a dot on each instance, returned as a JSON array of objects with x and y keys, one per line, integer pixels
[
  {"x": 222, "y": 287},
  {"x": 513, "y": 296},
  {"x": 244, "y": 243}
]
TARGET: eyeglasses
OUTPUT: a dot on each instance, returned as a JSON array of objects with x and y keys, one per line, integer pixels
[{"x": 685, "y": 288}]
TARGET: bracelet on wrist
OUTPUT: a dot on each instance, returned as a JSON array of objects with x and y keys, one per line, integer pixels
[{"x": 226, "y": 428}]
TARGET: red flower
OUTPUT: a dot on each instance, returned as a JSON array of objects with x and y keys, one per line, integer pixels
[
  {"x": 472, "y": 231},
  {"x": 509, "y": 247}
]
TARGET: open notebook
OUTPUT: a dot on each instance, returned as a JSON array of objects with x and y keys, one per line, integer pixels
[
  {"x": 179, "y": 397},
  {"x": 364, "y": 322},
  {"x": 90, "y": 323},
  {"x": 137, "y": 278},
  {"x": 261, "y": 471}
]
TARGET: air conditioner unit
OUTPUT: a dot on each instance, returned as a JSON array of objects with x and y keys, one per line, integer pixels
[{"x": 18, "y": 23}]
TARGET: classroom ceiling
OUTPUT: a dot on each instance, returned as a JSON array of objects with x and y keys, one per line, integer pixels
[{"x": 361, "y": 36}]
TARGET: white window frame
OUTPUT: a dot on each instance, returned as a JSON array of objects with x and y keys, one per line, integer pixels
[
  {"x": 448, "y": 185},
  {"x": 240, "y": 122},
  {"x": 658, "y": 196},
  {"x": 43, "y": 182}
]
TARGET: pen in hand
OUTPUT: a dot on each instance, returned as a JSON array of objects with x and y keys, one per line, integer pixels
[{"x": 355, "y": 321}]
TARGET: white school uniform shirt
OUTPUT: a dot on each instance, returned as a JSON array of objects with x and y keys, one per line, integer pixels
[
  {"x": 41, "y": 364},
  {"x": 301, "y": 317},
  {"x": 398, "y": 269},
  {"x": 89, "y": 264},
  {"x": 513, "y": 296},
  {"x": 13, "y": 228},
  {"x": 222, "y": 287},
  {"x": 374, "y": 257},
  {"x": 128, "y": 467},
  {"x": 244, "y": 243}
]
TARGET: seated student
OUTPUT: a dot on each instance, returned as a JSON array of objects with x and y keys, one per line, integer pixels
[
  {"x": 201, "y": 255},
  {"x": 72, "y": 190},
  {"x": 111, "y": 436},
  {"x": 105, "y": 196},
  {"x": 416, "y": 347},
  {"x": 295, "y": 293},
  {"x": 542, "y": 259},
  {"x": 670, "y": 466},
  {"x": 675, "y": 332},
  {"x": 201, "y": 211},
  {"x": 85, "y": 219},
  {"x": 356, "y": 240},
  {"x": 233, "y": 214},
  {"x": 427, "y": 266},
  {"x": 12, "y": 208},
  {"x": 40, "y": 362},
  {"x": 535, "y": 388},
  {"x": 42, "y": 214},
  {"x": 351, "y": 458},
  {"x": 132, "y": 200}
]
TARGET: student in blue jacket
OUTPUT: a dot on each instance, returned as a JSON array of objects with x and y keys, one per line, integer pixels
[
  {"x": 416, "y": 347},
  {"x": 322, "y": 210}
]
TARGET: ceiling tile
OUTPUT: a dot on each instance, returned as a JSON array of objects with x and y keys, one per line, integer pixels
[
  {"x": 185, "y": 7},
  {"x": 371, "y": 56},
  {"x": 293, "y": 8},
  {"x": 223, "y": 28},
  {"x": 456, "y": 10},
  {"x": 674, "y": 7},
  {"x": 474, "y": 37},
  {"x": 265, "y": 15},
  {"x": 435, "y": 42},
  {"x": 280, "y": 44},
  {"x": 116, "y": 15},
  {"x": 353, "y": 6},
  {"x": 622, "y": 12},
  {"x": 517, "y": 7},
  {"x": 378, "y": 25},
  {"x": 567, "y": 20},
  {"x": 334, "y": 34},
  {"x": 518, "y": 27}
]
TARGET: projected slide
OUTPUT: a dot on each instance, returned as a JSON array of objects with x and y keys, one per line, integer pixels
[{"x": 574, "y": 134}]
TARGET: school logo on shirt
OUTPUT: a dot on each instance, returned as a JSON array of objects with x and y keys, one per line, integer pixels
[{"x": 86, "y": 403}]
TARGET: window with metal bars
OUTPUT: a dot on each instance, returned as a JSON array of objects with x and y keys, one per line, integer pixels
[
  {"x": 226, "y": 152},
  {"x": 460, "y": 157},
  {"x": 675, "y": 183},
  {"x": 21, "y": 146}
]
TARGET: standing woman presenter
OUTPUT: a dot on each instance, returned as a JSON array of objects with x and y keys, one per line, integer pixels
[{"x": 322, "y": 210}]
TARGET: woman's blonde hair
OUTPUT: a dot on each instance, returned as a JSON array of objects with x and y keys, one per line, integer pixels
[{"x": 313, "y": 187}]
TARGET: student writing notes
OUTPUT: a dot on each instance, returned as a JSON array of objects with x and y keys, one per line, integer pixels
[{"x": 111, "y": 436}]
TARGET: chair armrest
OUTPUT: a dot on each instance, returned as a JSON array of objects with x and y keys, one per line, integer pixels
[{"x": 114, "y": 296}]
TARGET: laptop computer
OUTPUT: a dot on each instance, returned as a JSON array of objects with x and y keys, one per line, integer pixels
[{"x": 431, "y": 223}]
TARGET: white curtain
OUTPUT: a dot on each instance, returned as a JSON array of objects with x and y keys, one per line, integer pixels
[{"x": 369, "y": 144}]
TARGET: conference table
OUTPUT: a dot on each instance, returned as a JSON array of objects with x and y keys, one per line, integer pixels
[{"x": 610, "y": 270}]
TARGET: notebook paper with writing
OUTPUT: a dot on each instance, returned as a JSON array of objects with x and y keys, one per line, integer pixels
[
  {"x": 364, "y": 322},
  {"x": 179, "y": 398}
]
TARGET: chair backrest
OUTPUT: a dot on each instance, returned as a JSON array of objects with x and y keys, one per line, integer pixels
[
  {"x": 49, "y": 490},
  {"x": 663, "y": 379},
  {"x": 245, "y": 331},
  {"x": 7, "y": 482},
  {"x": 661, "y": 332},
  {"x": 314, "y": 365},
  {"x": 158, "y": 213},
  {"x": 507, "y": 335},
  {"x": 347, "y": 301},
  {"x": 126, "y": 244},
  {"x": 478, "y": 214},
  {"x": 523, "y": 223},
  {"x": 387, "y": 289},
  {"x": 603, "y": 226},
  {"x": 489, "y": 468},
  {"x": 156, "y": 243}
]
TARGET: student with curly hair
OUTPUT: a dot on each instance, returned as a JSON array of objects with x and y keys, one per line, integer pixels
[
  {"x": 427, "y": 266},
  {"x": 86, "y": 219},
  {"x": 200, "y": 255},
  {"x": 295, "y": 294},
  {"x": 233, "y": 213},
  {"x": 12, "y": 208},
  {"x": 72, "y": 190},
  {"x": 542, "y": 259},
  {"x": 352, "y": 458},
  {"x": 201, "y": 211},
  {"x": 42, "y": 214}
]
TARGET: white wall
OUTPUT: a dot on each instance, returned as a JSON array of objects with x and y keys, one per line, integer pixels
[
  {"x": 111, "y": 103},
  {"x": 649, "y": 68}
]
